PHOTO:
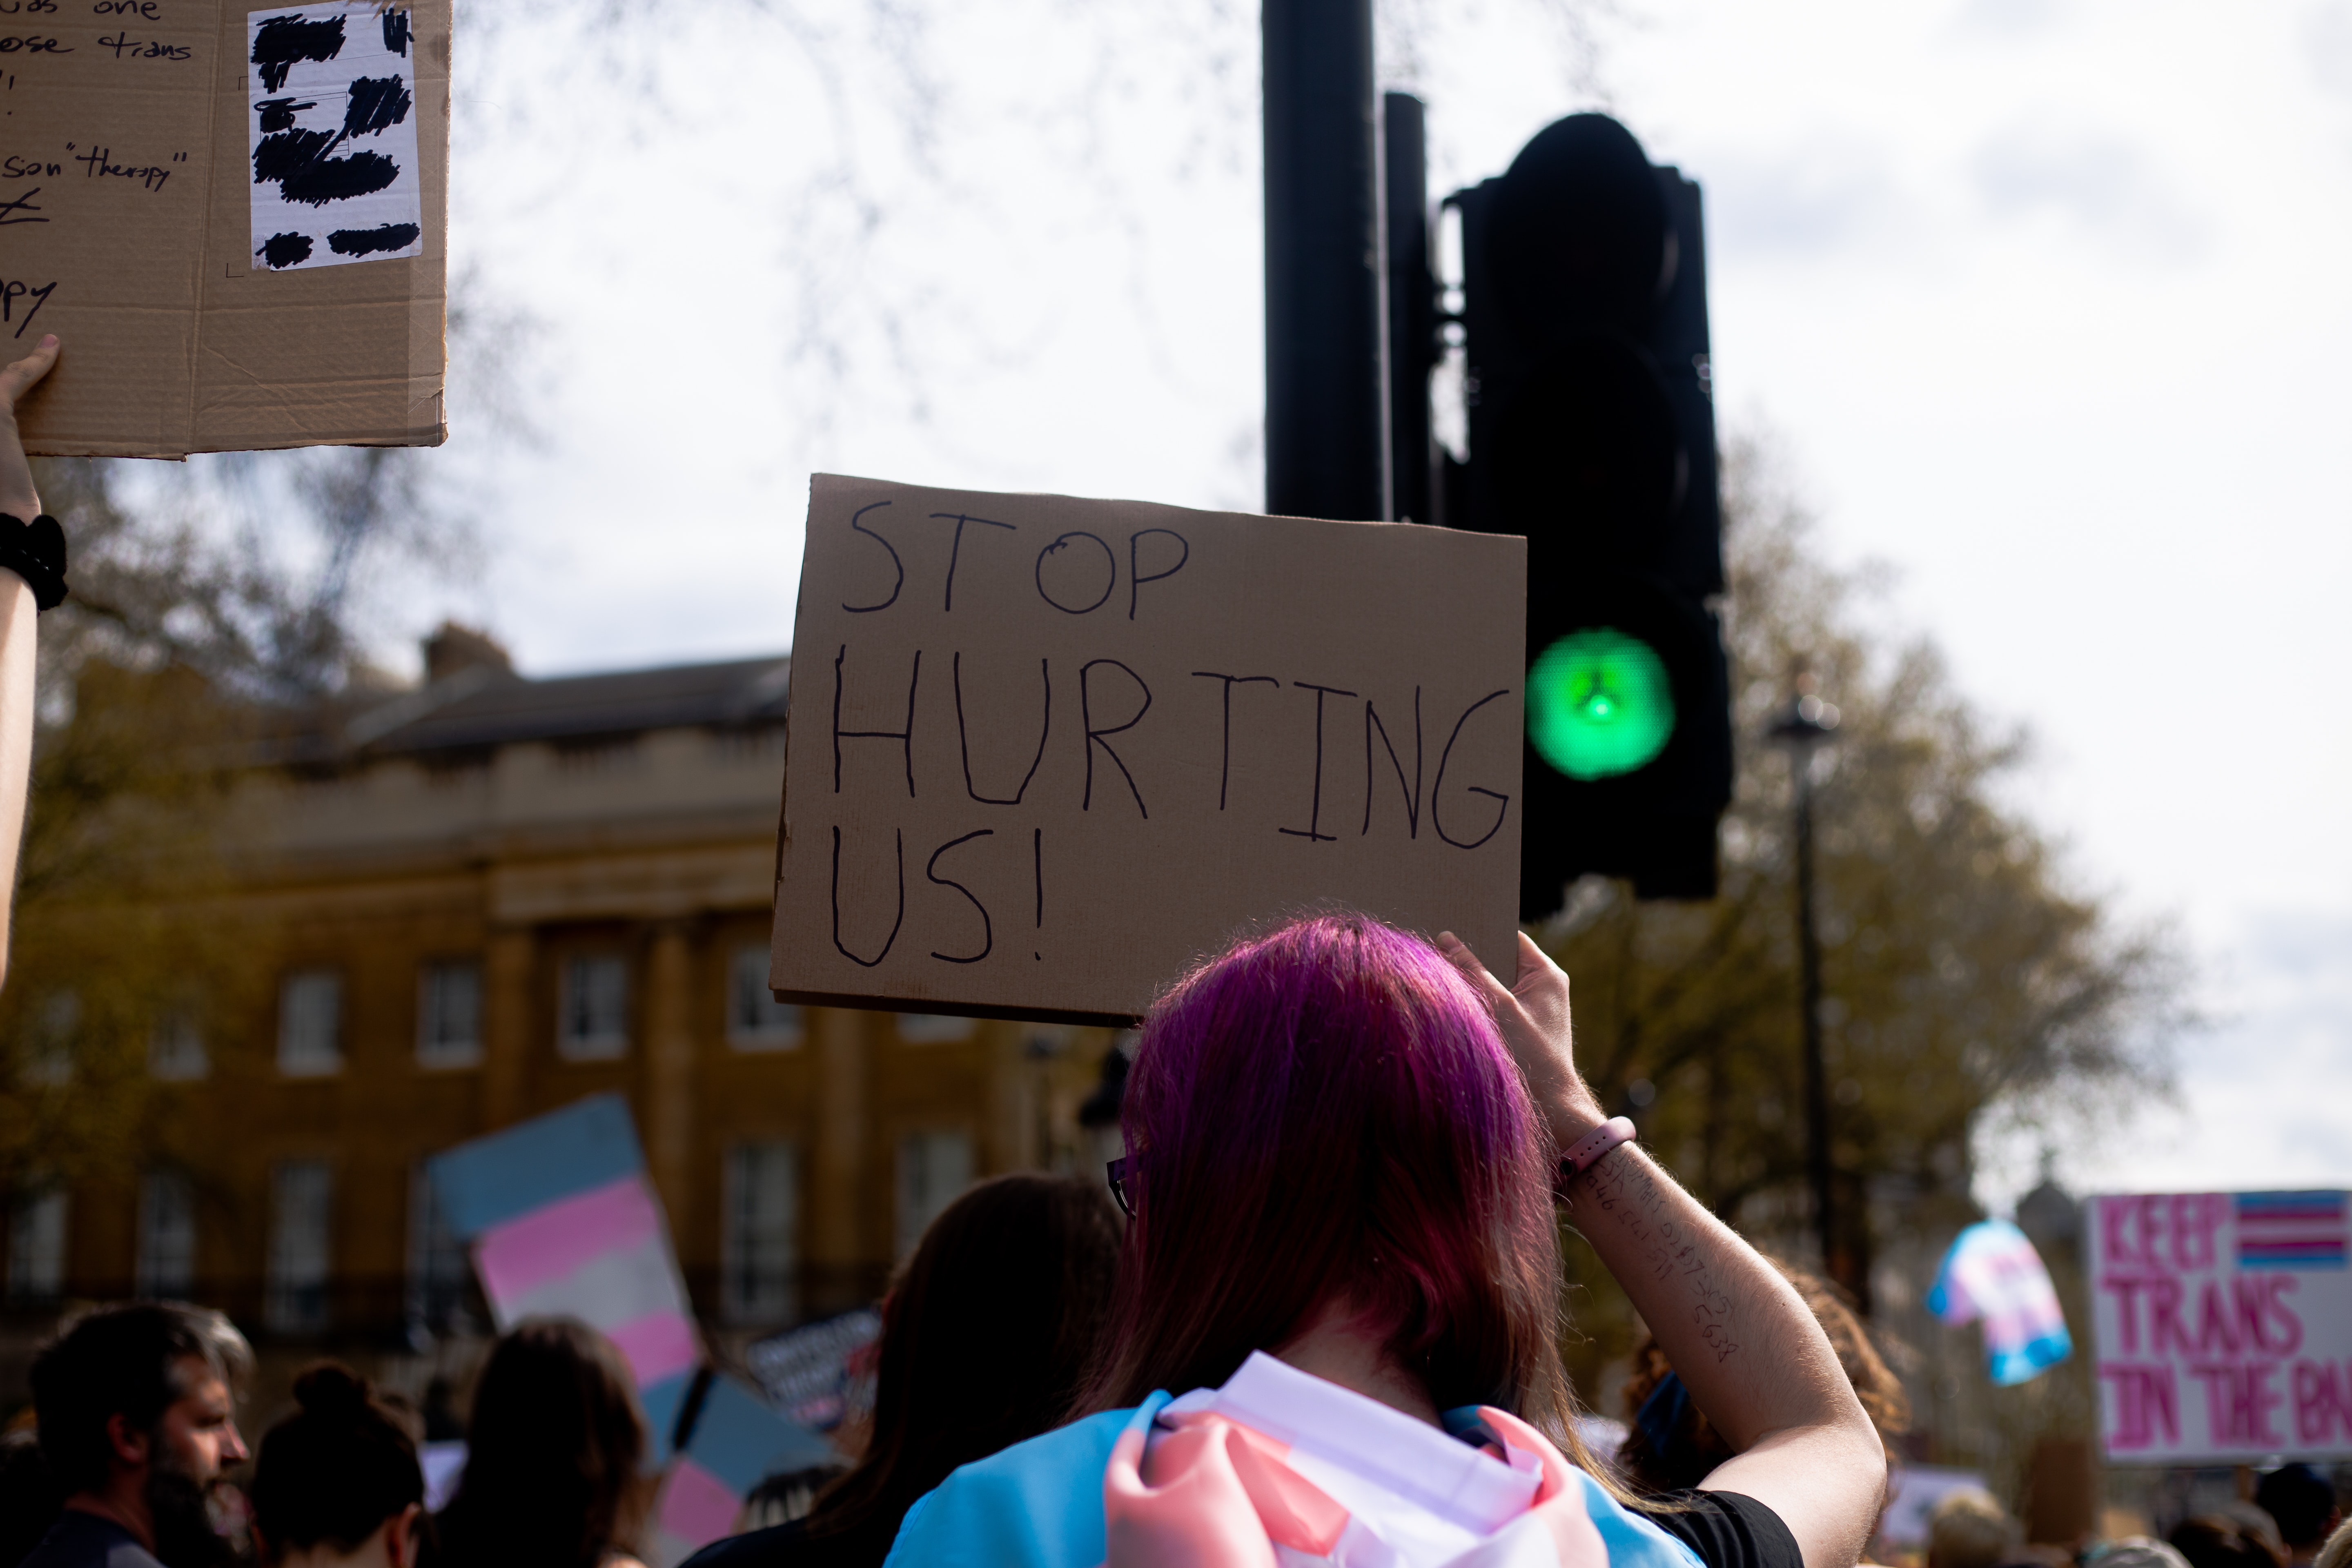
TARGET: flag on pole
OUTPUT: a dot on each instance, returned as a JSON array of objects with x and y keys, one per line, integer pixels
[
  {"x": 738, "y": 1443},
  {"x": 564, "y": 1222},
  {"x": 1992, "y": 1274}
]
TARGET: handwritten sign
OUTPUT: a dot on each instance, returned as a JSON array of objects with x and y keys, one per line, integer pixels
[
  {"x": 2223, "y": 1322},
  {"x": 1047, "y": 751},
  {"x": 188, "y": 192}
]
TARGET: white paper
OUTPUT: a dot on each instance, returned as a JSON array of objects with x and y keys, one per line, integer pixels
[{"x": 332, "y": 122}]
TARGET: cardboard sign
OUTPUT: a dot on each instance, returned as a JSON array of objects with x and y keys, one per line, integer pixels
[
  {"x": 235, "y": 217},
  {"x": 1046, "y": 753},
  {"x": 2223, "y": 1322}
]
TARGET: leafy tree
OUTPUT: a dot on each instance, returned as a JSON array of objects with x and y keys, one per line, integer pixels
[{"x": 1968, "y": 980}]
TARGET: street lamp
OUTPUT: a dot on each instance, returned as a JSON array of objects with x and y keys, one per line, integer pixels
[{"x": 1805, "y": 724}]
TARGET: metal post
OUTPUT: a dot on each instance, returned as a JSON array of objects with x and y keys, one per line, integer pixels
[
  {"x": 1412, "y": 305},
  {"x": 1326, "y": 377},
  {"x": 1807, "y": 723}
]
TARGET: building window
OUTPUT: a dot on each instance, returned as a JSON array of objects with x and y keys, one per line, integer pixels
[
  {"x": 933, "y": 1169},
  {"x": 449, "y": 1015},
  {"x": 931, "y": 1028},
  {"x": 593, "y": 1022},
  {"x": 166, "y": 1266},
  {"x": 50, "y": 1062},
  {"x": 756, "y": 1021},
  {"x": 175, "y": 1047},
  {"x": 311, "y": 1023},
  {"x": 301, "y": 1195},
  {"x": 438, "y": 1266},
  {"x": 762, "y": 1240},
  {"x": 37, "y": 1245}
]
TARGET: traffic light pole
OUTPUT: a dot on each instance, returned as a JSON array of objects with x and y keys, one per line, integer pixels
[
  {"x": 1808, "y": 723},
  {"x": 1327, "y": 388}
]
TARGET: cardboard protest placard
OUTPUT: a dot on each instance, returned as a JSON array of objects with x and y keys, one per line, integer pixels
[
  {"x": 2223, "y": 1322},
  {"x": 233, "y": 215},
  {"x": 1045, "y": 751}
]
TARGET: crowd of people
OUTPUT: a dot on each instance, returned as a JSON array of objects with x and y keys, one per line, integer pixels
[{"x": 1320, "y": 1325}]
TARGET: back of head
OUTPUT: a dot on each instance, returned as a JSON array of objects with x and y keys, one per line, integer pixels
[
  {"x": 334, "y": 1470},
  {"x": 1327, "y": 1116},
  {"x": 126, "y": 1361},
  {"x": 551, "y": 1453},
  {"x": 985, "y": 1336},
  {"x": 2336, "y": 1551},
  {"x": 2302, "y": 1502},
  {"x": 1969, "y": 1529},
  {"x": 2218, "y": 1540}
]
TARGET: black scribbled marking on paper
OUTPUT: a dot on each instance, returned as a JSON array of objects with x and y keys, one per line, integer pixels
[
  {"x": 278, "y": 113},
  {"x": 21, "y": 209},
  {"x": 282, "y": 154},
  {"x": 377, "y": 103},
  {"x": 285, "y": 250},
  {"x": 281, "y": 42},
  {"x": 368, "y": 241},
  {"x": 395, "y": 33}
]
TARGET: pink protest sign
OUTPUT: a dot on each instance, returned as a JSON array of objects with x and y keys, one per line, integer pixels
[{"x": 2223, "y": 1324}]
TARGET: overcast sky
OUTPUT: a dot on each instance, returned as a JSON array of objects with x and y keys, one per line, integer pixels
[{"x": 2044, "y": 301}]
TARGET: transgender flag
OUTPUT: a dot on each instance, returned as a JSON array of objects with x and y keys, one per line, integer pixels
[
  {"x": 1992, "y": 1273},
  {"x": 563, "y": 1223},
  {"x": 738, "y": 1443}
]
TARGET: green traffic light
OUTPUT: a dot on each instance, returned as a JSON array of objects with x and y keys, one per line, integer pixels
[{"x": 1599, "y": 704}]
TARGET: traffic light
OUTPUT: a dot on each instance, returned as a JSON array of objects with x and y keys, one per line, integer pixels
[{"x": 1591, "y": 432}]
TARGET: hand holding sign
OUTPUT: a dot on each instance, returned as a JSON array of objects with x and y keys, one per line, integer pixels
[{"x": 1045, "y": 751}]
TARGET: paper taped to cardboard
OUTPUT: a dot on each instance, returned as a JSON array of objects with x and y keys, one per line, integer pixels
[
  {"x": 234, "y": 216},
  {"x": 1045, "y": 753}
]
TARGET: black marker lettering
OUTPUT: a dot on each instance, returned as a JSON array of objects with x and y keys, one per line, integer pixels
[
  {"x": 857, "y": 522},
  {"x": 1095, "y": 736},
  {"x": 987, "y": 927},
  {"x": 1111, "y": 574},
  {"x": 1135, "y": 577},
  {"x": 1412, "y": 791},
  {"x": 904, "y": 736},
  {"x": 956, "y": 548},
  {"x": 964, "y": 742},
  {"x": 1439, "y": 783},
  {"x": 281, "y": 42},
  {"x": 1224, "y": 767},
  {"x": 843, "y": 951},
  {"x": 1315, "y": 811}
]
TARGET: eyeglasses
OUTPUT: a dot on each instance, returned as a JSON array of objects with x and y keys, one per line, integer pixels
[{"x": 1116, "y": 1173}]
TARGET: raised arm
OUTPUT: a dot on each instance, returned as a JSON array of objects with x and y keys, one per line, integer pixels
[
  {"x": 17, "y": 638},
  {"x": 1742, "y": 1341}
]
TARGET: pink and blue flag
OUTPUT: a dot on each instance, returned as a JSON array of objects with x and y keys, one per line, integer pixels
[
  {"x": 564, "y": 1222},
  {"x": 2292, "y": 1231},
  {"x": 1994, "y": 1275},
  {"x": 738, "y": 1442}
]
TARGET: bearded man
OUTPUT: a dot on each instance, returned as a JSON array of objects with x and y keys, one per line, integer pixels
[{"x": 137, "y": 1406}]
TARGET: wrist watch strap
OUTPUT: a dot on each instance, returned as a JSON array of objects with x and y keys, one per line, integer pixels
[{"x": 1582, "y": 1156}]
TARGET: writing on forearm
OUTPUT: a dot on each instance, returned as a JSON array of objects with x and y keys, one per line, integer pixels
[{"x": 1625, "y": 1191}]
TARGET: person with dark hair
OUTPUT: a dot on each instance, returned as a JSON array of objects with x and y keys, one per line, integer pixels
[
  {"x": 1343, "y": 1149},
  {"x": 1670, "y": 1444},
  {"x": 2303, "y": 1505},
  {"x": 554, "y": 1452},
  {"x": 138, "y": 1419},
  {"x": 986, "y": 1335},
  {"x": 2218, "y": 1540},
  {"x": 337, "y": 1484}
]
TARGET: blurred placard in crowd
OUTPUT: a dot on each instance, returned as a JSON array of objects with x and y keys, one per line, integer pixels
[
  {"x": 821, "y": 1373},
  {"x": 1914, "y": 1491},
  {"x": 1047, "y": 751},
  {"x": 235, "y": 217},
  {"x": 2223, "y": 1322}
]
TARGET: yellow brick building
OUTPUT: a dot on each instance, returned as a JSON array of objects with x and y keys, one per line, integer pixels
[{"x": 487, "y": 897}]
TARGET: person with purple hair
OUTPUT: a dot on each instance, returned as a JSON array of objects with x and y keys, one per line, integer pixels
[{"x": 1344, "y": 1146}]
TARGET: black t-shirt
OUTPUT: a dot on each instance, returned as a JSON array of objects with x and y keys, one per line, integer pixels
[
  {"x": 791, "y": 1546},
  {"x": 1729, "y": 1529},
  {"x": 81, "y": 1540}
]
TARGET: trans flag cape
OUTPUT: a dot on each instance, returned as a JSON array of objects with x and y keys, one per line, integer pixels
[
  {"x": 1278, "y": 1470},
  {"x": 1992, "y": 1273}
]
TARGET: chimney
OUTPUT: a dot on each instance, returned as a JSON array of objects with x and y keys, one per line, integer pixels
[{"x": 455, "y": 647}]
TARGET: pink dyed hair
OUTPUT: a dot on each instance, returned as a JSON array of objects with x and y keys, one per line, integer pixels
[{"x": 1326, "y": 1113}]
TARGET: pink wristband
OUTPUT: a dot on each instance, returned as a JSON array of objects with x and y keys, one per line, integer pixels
[{"x": 1585, "y": 1151}]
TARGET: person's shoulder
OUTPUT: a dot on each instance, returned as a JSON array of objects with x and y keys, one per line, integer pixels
[
  {"x": 752, "y": 1549},
  {"x": 1037, "y": 1504},
  {"x": 80, "y": 1540},
  {"x": 1729, "y": 1529}
]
